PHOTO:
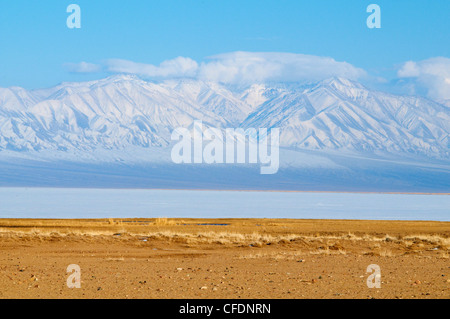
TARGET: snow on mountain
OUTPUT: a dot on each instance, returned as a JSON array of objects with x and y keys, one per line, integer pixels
[
  {"x": 15, "y": 99},
  {"x": 214, "y": 98},
  {"x": 110, "y": 113},
  {"x": 123, "y": 111},
  {"x": 341, "y": 114}
]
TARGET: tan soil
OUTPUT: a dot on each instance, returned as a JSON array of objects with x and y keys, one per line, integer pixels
[{"x": 247, "y": 258}]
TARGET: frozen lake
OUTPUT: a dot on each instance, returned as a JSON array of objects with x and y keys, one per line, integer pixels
[{"x": 145, "y": 203}]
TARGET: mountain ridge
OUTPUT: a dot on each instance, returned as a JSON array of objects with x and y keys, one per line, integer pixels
[{"x": 124, "y": 110}]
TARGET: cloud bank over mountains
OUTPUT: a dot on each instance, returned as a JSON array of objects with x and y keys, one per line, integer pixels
[
  {"x": 179, "y": 67},
  {"x": 247, "y": 67},
  {"x": 430, "y": 77},
  {"x": 235, "y": 68}
]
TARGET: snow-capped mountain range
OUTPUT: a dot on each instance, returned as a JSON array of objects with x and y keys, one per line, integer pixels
[{"x": 123, "y": 110}]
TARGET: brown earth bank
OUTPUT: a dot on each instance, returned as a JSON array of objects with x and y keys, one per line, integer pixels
[{"x": 224, "y": 258}]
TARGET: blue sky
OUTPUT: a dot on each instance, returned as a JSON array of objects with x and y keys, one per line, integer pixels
[{"x": 36, "y": 46}]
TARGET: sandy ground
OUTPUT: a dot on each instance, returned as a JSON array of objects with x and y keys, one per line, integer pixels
[{"x": 239, "y": 258}]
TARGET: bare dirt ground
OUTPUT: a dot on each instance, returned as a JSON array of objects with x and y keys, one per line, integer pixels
[{"x": 238, "y": 258}]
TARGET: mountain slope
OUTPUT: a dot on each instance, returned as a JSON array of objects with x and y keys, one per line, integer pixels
[
  {"x": 340, "y": 114},
  {"x": 111, "y": 114},
  {"x": 122, "y": 111}
]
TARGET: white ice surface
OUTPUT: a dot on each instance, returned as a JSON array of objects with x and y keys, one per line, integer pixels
[{"x": 128, "y": 203}]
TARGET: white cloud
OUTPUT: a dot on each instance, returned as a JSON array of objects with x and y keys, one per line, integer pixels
[
  {"x": 83, "y": 67},
  {"x": 432, "y": 75},
  {"x": 239, "y": 67},
  {"x": 178, "y": 67},
  {"x": 408, "y": 69}
]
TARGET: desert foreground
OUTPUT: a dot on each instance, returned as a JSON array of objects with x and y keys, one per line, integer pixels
[{"x": 223, "y": 258}]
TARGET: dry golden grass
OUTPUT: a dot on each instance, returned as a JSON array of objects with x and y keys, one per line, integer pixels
[
  {"x": 328, "y": 251},
  {"x": 297, "y": 256},
  {"x": 223, "y": 237},
  {"x": 384, "y": 246},
  {"x": 314, "y": 237},
  {"x": 163, "y": 221},
  {"x": 113, "y": 222}
]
